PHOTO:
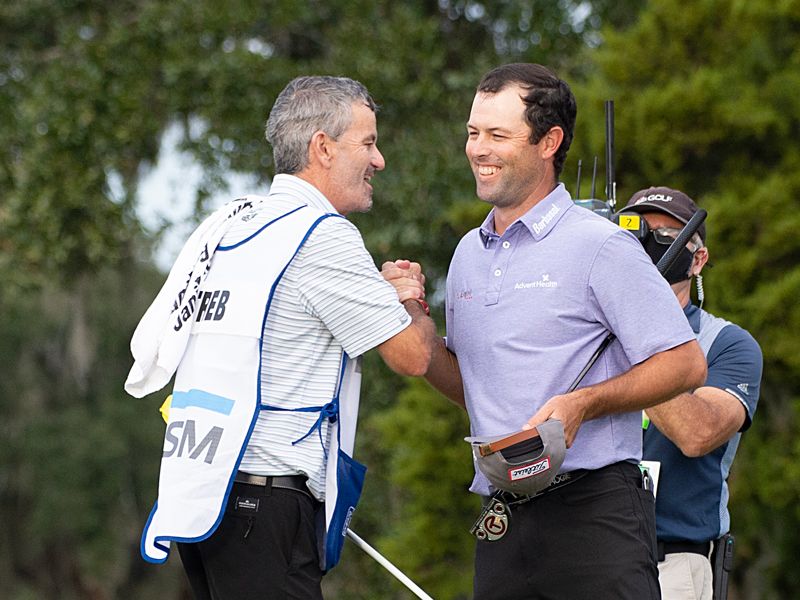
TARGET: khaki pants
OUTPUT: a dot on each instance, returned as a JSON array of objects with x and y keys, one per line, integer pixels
[{"x": 685, "y": 576}]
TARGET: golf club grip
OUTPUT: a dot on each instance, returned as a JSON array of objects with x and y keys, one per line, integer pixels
[
  {"x": 665, "y": 263},
  {"x": 681, "y": 240}
]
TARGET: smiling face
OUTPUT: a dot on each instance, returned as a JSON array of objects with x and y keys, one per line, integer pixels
[
  {"x": 510, "y": 172},
  {"x": 355, "y": 158}
]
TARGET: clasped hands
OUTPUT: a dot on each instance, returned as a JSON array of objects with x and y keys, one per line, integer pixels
[{"x": 406, "y": 277}]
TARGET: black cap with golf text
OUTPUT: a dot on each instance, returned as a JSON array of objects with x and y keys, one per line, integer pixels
[
  {"x": 666, "y": 200},
  {"x": 525, "y": 462}
]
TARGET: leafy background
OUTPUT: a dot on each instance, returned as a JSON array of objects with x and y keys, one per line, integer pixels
[{"x": 706, "y": 100}]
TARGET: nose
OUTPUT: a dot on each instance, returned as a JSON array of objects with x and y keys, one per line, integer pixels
[{"x": 377, "y": 161}]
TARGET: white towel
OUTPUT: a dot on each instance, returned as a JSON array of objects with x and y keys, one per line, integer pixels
[{"x": 160, "y": 338}]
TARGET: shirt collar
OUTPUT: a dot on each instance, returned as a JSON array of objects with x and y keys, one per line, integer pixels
[
  {"x": 539, "y": 220},
  {"x": 291, "y": 184}
]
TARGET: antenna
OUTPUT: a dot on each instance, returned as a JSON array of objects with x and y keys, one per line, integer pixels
[
  {"x": 611, "y": 183},
  {"x": 604, "y": 208}
]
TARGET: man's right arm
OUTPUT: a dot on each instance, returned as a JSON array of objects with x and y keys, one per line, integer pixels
[
  {"x": 444, "y": 374},
  {"x": 409, "y": 351},
  {"x": 699, "y": 421},
  {"x": 338, "y": 284}
]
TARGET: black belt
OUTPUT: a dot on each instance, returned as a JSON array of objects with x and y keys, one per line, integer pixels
[
  {"x": 664, "y": 548},
  {"x": 560, "y": 480},
  {"x": 284, "y": 482}
]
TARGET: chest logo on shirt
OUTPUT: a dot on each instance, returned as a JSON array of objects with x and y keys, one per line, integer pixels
[
  {"x": 464, "y": 295},
  {"x": 544, "y": 282}
]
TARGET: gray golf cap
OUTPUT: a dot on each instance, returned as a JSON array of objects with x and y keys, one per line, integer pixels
[{"x": 525, "y": 462}]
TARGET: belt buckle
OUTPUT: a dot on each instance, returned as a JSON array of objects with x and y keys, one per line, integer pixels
[{"x": 492, "y": 523}]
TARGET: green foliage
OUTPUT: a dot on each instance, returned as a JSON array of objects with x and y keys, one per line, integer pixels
[
  {"x": 706, "y": 101},
  {"x": 430, "y": 468},
  {"x": 79, "y": 456}
]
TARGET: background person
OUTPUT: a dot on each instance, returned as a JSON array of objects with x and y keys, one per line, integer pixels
[
  {"x": 695, "y": 435},
  {"x": 300, "y": 325},
  {"x": 531, "y": 294}
]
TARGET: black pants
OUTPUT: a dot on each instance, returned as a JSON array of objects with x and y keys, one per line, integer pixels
[
  {"x": 593, "y": 539},
  {"x": 265, "y": 548}
]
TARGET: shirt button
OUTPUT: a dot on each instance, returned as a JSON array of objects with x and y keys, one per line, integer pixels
[
  {"x": 506, "y": 244},
  {"x": 497, "y": 272}
]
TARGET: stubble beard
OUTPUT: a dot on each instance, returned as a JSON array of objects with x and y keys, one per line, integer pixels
[
  {"x": 364, "y": 204},
  {"x": 496, "y": 195}
]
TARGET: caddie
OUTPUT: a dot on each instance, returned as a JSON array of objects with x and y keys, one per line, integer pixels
[{"x": 263, "y": 320}]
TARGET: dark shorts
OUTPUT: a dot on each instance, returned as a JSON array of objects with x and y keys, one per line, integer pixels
[
  {"x": 265, "y": 548},
  {"x": 592, "y": 539}
]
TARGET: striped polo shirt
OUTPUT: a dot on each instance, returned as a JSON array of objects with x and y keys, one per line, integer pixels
[{"x": 331, "y": 299}]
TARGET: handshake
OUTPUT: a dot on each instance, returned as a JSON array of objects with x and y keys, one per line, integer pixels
[{"x": 408, "y": 280}]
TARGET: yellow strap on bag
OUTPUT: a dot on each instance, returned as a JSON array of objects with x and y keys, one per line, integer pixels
[{"x": 164, "y": 410}]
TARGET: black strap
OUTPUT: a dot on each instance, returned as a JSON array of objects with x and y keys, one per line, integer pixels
[
  {"x": 664, "y": 548},
  {"x": 287, "y": 482},
  {"x": 562, "y": 479}
]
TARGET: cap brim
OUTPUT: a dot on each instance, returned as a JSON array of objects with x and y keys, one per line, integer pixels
[
  {"x": 499, "y": 442},
  {"x": 522, "y": 466}
]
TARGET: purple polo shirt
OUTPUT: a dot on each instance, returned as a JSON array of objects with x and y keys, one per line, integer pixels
[{"x": 526, "y": 310}]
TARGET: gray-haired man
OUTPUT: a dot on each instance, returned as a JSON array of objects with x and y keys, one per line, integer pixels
[{"x": 279, "y": 319}]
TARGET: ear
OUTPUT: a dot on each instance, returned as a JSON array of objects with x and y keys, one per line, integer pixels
[
  {"x": 699, "y": 260},
  {"x": 321, "y": 150},
  {"x": 551, "y": 142}
]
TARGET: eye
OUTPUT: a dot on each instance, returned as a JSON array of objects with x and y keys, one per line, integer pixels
[{"x": 497, "y": 136}]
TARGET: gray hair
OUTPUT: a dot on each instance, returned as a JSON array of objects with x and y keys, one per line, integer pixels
[{"x": 307, "y": 105}]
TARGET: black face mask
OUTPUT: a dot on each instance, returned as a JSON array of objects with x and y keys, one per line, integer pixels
[{"x": 679, "y": 271}]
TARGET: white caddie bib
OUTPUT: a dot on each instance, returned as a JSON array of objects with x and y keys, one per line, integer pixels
[{"x": 216, "y": 397}]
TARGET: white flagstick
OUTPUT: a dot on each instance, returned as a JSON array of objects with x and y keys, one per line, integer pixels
[{"x": 388, "y": 566}]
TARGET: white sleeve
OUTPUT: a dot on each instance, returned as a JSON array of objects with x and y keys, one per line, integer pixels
[{"x": 339, "y": 284}]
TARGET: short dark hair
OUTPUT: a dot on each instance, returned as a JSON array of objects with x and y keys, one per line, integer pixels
[{"x": 549, "y": 101}]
